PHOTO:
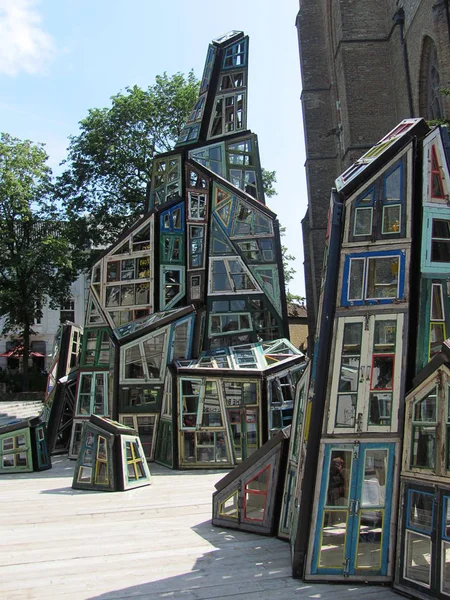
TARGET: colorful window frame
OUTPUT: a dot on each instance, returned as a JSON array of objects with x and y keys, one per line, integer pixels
[
  {"x": 360, "y": 284},
  {"x": 172, "y": 286},
  {"x": 92, "y": 394},
  {"x": 96, "y": 348},
  {"x": 229, "y": 115},
  {"x": 436, "y": 240},
  {"x": 166, "y": 180},
  {"x": 196, "y": 247},
  {"x": 149, "y": 355}
]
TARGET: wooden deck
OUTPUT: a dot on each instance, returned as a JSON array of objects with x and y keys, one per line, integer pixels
[{"x": 154, "y": 542}]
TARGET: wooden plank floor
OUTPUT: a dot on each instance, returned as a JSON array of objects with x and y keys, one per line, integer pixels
[{"x": 153, "y": 542}]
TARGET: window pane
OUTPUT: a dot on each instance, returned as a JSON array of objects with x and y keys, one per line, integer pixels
[
  {"x": 384, "y": 335},
  {"x": 391, "y": 219},
  {"x": 437, "y": 309},
  {"x": 363, "y": 221},
  {"x": 392, "y": 186},
  {"x": 420, "y": 512},
  {"x": 418, "y": 558},
  {"x": 380, "y": 408},
  {"x": 440, "y": 245},
  {"x": 356, "y": 279},
  {"x": 339, "y": 478},
  {"x": 424, "y": 447},
  {"x": 382, "y": 281}
]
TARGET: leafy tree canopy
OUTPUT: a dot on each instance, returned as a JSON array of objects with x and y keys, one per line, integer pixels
[
  {"x": 35, "y": 256},
  {"x": 106, "y": 182}
]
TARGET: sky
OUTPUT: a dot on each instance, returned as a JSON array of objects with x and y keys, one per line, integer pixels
[{"x": 59, "y": 58}]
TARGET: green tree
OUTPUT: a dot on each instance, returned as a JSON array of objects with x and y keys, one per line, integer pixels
[
  {"x": 106, "y": 182},
  {"x": 269, "y": 179},
  {"x": 446, "y": 122},
  {"x": 35, "y": 256}
]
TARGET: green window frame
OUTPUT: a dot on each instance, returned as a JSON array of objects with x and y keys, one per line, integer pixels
[
  {"x": 96, "y": 348},
  {"x": 92, "y": 394}
]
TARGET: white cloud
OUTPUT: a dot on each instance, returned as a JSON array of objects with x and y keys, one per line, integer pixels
[{"x": 24, "y": 45}]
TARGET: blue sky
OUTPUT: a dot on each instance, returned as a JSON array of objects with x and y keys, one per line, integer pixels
[{"x": 58, "y": 58}]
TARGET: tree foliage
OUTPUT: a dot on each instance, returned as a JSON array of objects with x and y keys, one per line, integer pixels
[
  {"x": 106, "y": 182},
  {"x": 35, "y": 256},
  {"x": 445, "y": 122}
]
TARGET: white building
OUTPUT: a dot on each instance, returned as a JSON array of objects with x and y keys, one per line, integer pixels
[{"x": 47, "y": 326}]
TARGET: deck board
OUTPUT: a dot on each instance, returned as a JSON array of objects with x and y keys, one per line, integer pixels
[{"x": 154, "y": 542}]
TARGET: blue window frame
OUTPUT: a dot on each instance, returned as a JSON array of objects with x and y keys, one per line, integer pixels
[
  {"x": 172, "y": 219},
  {"x": 420, "y": 511},
  {"x": 373, "y": 278},
  {"x": 236, "y": 55}
]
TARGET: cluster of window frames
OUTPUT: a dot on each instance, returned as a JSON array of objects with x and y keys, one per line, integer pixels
[
  {"x": 229, "y": 275},
  {"x": 427, "y": 539},
  {"x": 126, "y": 293},
  {"x": 366, "y": 373},
  {"x": 379, "y": 212},
  {"x": 16, "y": 451},
  {"x": 92, "y": 395},
  {"x": 219, "y": 419},
  {"x": 249, "y": 222},
  {"x": 166, "y": 180},
  {"x": 96, "y": 348},
  {"x": 94, "y": 462},
  {"x": 229, "y": 114},
  {"x": 212, "y": 157},
  {"x": 263, "y": 323},
  {"x": 145, "y": 359}
]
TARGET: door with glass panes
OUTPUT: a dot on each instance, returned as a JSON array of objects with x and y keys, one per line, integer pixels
[
  {"x": 353, "y": 525},
  {"x": 366, "y": 374},
  {"x": 242, "y": 410}
]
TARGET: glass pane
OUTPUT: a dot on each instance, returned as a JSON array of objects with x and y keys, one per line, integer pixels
[
  {"x": 352, "y": 338},
  {"x": 384, "y": 336},
  {"x": 424, "y": 447},
  {"x": 392, "y": 185},
  {"x": 437, "y": 309},
  {"x": 21, "y": 459},
  {"x": 380, "y": 408},
  {"x": 425, "y": 408},
  {"x": 102, "y": 473},
  {"x": 8, "y": 444},
  {"x": 260, "y": 482},
  {"x": 374, "y": 483},
  {"x": 445, "y": 584},
  {"x": 212, "y": 416},
  {"x": 339, "y": 478},
  {"x": 391, "y": 219},
  {"x": 420, "y": 511},
  {"x": 437, "y": 337},
  {"x": 153, "y": 350},
  {"x": 134, "y": 368},
  {"x": 346, "y": 410},
  {"x": 363, "y": 221},
  {"x": 440, "y": 245},
  {"x": 190, "y": 398},
  {"x": 356, "y": 279},
  {"x": 368, "y": 553},
  {"x": 418, "y": 558},
  {"x": 348, "y": 378},
  {"x": 382, "y": 372},
  {"x": 332, "y": 547},
  {"x": 382, "y": 280},
  {"x": 229, "y": 508},
  {"x": 85, "y": 474}
]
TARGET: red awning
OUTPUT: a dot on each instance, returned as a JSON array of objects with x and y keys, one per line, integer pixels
[{"x": 18, "y": 351}]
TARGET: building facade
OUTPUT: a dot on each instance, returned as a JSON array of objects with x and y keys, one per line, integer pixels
[{"x": 365, "y": 67}]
